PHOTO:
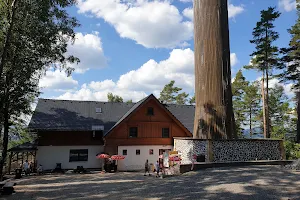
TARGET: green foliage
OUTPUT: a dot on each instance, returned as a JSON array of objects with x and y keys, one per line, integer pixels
[
  {"x": 292, "y": 150},
  {"x": 238, "y": 92},
  {"x": 279, "y": 112},
  {"x": 252, "y": 105},
  {"x": 34, "y": 36},
  {"x": 192, "y": 100},
  {"x": 291, "y": 58},
  {"x": 19, "y": 134},
  {"x": 266, "y": 54},
  {"x": 114, "y": 98},
  {"x": 129, "y": 101},
  {"x": 170, "y": 94}
]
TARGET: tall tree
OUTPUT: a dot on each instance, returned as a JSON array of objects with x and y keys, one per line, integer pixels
[
  {"x": 129, "y": 101},
  {"x": 279, "y": 112},
  {"x": 266, "y": 56},
  {"x": 252, "y": 105},
  {"x": 114, "y": 98},
  {"x": 238, "y": 92},
  {"x": 291, "y": 69},
  {"x": 170, "y": 94},
  {"x": 34, "y": 36}
]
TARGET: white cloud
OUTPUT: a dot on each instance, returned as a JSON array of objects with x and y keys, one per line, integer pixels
[
  {"x": 88, "y": 48},
  {"x": 186, "y": 1},
  {"x": 57, "y": 80},
  {"x": 232, "y": 11},
  {"x": 233, "y": 59},
  {"x": 274, "y": 81},
  {"x": 287, "y": 5},
  {"x": 149, "y": 78},
  {"x": 188, "y": 12},
  {"x": 153, "y": 24}
]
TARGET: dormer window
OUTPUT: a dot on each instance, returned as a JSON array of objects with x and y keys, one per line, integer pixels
[
  {"x": 98, "y": 110},
  {"x": 150, "y": 111}
]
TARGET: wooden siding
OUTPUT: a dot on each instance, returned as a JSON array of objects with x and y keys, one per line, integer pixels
[
  {"x": 67, "y": 138},
  {"x": 149, "y": 128}
]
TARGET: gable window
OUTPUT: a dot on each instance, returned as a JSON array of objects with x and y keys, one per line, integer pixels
[
  {"x": 78, "y": 155},
  {"x": 150, "y": 111},
  {"x": 124, "y": 152},
  {"x": 165, "y": 132},
  {"x": 98, "y": 110},
  {"x": 137, "y": 152},
  {"x": 97, "y": 135},
  {"x": 133, "y": 132}
]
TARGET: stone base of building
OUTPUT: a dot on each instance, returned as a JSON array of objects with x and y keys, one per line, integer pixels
[{"x": 241, "y": 150}]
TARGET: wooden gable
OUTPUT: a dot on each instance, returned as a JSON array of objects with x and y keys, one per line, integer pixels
[{"x": 149, "y": 126}]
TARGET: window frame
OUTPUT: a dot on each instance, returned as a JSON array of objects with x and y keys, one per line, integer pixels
[
  {"x": 151, "y": 151},
  {"x": 81, "y": 153},
  {"x": 136, "y": 134},
  {"x": 137, "y": 152},
  {"x": 163, "y": 132}
]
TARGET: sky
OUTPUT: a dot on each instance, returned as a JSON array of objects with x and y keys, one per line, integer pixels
[{"x": 133, "y": 48}]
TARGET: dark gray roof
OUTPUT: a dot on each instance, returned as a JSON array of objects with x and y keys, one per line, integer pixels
[
  {"x": 66, "y": 115},
  {"x": 184, "y": 113},
  {"x": 27, "y": 146}
]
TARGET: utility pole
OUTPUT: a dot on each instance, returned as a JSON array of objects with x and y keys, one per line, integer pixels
[{"x": 214, "y": 118}]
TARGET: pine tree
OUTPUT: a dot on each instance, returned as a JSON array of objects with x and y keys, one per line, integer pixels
[
  {"x": 238, "y": 92},
  {"x": 291, "y": 59},
  {"x": 266, "y": 56},
  {"x": 170, "y": 94},
  {"x": 252, "y": 105},
  {"x": 279, "y": 112}
]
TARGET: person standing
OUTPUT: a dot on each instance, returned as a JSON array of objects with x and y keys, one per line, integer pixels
[
  {"x": 157, "y": 168},
  {"x": 147, "y": 168},
  {"x": 26, "y": 167}
]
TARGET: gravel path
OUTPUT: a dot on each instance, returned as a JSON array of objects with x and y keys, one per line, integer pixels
[{"x": 255, "y": 182}]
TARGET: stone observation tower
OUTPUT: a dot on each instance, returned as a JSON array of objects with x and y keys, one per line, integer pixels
[{"x": 214, "y": 113}]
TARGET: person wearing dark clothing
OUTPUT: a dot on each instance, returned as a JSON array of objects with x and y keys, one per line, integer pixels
[
  {"x": 147, "y": 168},
  {"x": 157, "y": 168}
]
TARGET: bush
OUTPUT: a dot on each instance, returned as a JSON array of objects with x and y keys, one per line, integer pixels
[{"x": 292, "y": 150}]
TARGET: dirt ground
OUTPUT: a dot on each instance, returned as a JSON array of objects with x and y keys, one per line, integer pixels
[{"x": 255, "y": 182}]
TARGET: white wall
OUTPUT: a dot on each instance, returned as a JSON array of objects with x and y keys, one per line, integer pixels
[
  {"x": 48, "y": 156},
  {"x": 137, "y": 162}
]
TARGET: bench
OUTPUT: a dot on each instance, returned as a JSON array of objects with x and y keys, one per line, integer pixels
[{"x": 8, "y": 188}]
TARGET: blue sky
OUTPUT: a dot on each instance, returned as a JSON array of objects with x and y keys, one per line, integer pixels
[{"x": 134, "y": 47}]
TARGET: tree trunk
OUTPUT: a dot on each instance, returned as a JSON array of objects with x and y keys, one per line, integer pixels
[
  {"x": 5, "y": 139},
  {"x": 8, "y": 37},
  {"x": 268, "y": 124},
  {"x": 263, "y": 103},
  {"x": 6, "y": 125},
  {"x": 213, "y": 113},
  {"x": 250, "y": 121},
  {"x": 298, "y": 116}
]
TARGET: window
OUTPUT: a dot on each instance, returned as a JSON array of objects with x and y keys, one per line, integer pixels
[
  {"x": 97, "y": 135},
  {"x": 98, "y": 110},
  {"x": 78, "y": 155},
  {"x": 133, "y": 132},
  {"x": 124, "y": 152},
  {"x": 137, "y": 152},
  {"x": 165, "y": 133},
  {"x": 150, "y": 151},
  {"x": 150, "y": 111}
]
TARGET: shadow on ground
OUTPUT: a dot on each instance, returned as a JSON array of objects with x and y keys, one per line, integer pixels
[{"x": 255, "y": 182}]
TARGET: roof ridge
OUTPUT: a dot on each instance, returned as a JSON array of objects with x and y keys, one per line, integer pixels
[{"x": 47, "y": 99}]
